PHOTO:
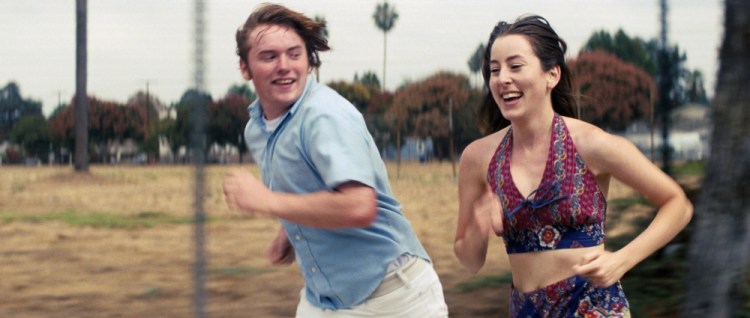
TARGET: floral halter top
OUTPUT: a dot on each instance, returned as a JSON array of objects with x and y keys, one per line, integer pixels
[{"x": 567, "y": 210}]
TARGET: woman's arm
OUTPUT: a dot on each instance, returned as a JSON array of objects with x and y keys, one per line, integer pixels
[
  {"x": 616, "y": 156},
  {"x": 479, "y": 212}
]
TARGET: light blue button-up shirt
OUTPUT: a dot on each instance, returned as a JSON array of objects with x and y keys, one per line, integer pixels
[{"x": 321, "y": 143}]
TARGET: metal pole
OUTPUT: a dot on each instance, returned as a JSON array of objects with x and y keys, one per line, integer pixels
[
  {"x": 199, "y": 295},
  {"x": 198, "y": 115},
  {"x": 450, "y": 132},
  {"x": 198, "y": 146}
]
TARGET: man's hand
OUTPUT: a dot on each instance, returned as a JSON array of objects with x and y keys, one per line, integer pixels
[
  {"x": 280, "y": 251},
  {"x": 245, "y": 192}
]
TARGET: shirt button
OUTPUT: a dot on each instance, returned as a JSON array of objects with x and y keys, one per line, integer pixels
[
  {"x": 297, "y": 237},
  {"x": 314, "y": 270}
]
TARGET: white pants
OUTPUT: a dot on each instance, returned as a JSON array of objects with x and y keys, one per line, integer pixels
[{"x": 421, "y": 297}]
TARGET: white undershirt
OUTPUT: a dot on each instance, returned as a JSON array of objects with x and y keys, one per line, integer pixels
[
  {"x": 272, "y": 124},
  {"x": 398, "y": 262}
]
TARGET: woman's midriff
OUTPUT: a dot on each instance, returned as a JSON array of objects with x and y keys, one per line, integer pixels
[{"x": 535, "y": 270}]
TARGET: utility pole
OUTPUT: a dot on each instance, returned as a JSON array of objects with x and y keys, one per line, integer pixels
[
  {"x": 146, "y": 131},
  {"x": 665, "y": 89},
  {"x": 82, "y": 103}
]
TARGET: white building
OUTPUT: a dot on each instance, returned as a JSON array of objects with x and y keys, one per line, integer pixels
[{"x": 689, "y": 137}]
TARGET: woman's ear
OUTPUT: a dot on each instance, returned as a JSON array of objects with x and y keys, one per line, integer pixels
[
  {"x": 245, "y": 70},
  {"x": 553, "y": 77}
]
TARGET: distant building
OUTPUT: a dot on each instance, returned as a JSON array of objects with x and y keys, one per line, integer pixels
[
  {"x": 412, "y": 149},
  {"x": 689, "y": 136}
]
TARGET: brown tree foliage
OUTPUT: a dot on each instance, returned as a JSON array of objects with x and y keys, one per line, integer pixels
[
  {"x": 357, "y": 93},
  {"x": 613, "y": 93},
  {"x": 422, "y": 108},
  {"x": 61, "y": 127},
  {"x": 108, "y": 121},
  {"x": 147, "y": 106},
  {"x": 227, "y": 118}
]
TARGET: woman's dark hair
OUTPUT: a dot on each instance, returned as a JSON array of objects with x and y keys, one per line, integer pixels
[
  {"x": 309, "y": 30},
  {"x": 550, "y": 49}
]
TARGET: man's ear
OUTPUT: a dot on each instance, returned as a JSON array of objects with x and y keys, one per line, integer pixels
[
  {"x": 245, "y": 70},
  {"x": 553, "y": 77}
]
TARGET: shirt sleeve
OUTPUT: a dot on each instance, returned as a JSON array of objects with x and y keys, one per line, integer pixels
[{"x": 340, "y": 148}]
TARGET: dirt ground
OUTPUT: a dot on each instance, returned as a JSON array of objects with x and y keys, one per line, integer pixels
[{"x": 54, "y": 269}]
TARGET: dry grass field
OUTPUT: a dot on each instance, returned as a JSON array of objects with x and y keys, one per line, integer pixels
[{"x": 118, "y": 242}]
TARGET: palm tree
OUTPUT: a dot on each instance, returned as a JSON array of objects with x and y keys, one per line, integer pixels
[
  {"x": 719, "y": 252},
  {"x": 385, "y": 18},
  {"x": 475, "y": 61}
]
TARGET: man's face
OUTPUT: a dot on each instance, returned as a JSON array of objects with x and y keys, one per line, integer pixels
[{"x": 278, "y": 66}]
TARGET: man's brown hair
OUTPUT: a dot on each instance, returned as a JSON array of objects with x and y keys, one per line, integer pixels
[{"x": 309, "y": 30}]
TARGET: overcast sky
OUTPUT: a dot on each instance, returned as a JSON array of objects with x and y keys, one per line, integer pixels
[{"x": 135, "y": 43}]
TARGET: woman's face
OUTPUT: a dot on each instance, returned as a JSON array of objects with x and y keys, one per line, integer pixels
[{"x": 518, "y": 83}]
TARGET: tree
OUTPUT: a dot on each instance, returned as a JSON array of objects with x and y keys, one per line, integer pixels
[
  {"x": 614, "y": 92},
  {"x": 369, "y": 79},
  {"x": 719, "y": 256},
  {"x": 31, "y": 133},
  {"x": 631, "y": 50},
  {"x": 423, "y": 109},
  {"x": 475, "y": 61},
  {"x": 13, "y": 107},
  {"x": 182, "y": 129},
  {"x": 243, "y": 90},
  {"x": 356, "y": 92},
  {"x": 109, "y": 123},
  {"x": 101, "y": 116},
  {"x": 689, "y": 85},
  {"x": 247, "y": 95},
  {"x": 226, "y": 120},
  {"x": 375, "y": 116},
  {"x": 465, "y": 125},
  {"x": 147, "y": 107},
  {"x": 61, "y": 126},
  {"x": 664, "y": 62},
  {"x": 385, "y": 17},
  {"x": 695, "y": 88}
]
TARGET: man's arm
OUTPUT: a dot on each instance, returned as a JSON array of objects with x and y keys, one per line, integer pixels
[{"x": 351, "y": 204}]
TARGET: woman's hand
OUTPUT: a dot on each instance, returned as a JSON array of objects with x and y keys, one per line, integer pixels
[{"x": 601, "y": 267}]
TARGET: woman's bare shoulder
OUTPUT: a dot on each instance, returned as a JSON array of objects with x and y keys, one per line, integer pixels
[
  {"x": 598, "y": 148},
  {"x": 482, "y": 148},
  {"x": 587, "y": 137}
]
